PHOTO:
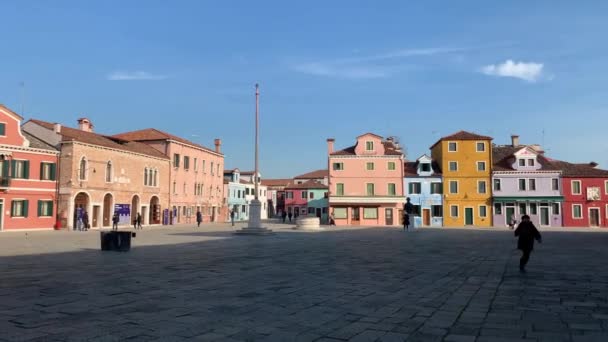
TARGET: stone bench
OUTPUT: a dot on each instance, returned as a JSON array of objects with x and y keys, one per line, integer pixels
[{"x": 308, "y": 223}]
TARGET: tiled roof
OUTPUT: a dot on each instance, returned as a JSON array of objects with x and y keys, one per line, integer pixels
[
  {"x": 502, "y": 157},
  {"x": 311, "y": 184},
  {"x": 6, "y": 109},
  {"x": 151, "y": 134},
  {"x": 37, "y": 143},
  {"x": 579, "y": 170},
  {"x": 389, "y": 150},
  {"x": 247, "y": 173},
  {"x": 68, "y": 134},
  {"x": 314, "y": 174},
  {"x": 463, "y": 135},
  {"x": 276, "y": 182}
]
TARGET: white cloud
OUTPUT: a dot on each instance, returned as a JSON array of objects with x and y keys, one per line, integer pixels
[
  {"x": 134, "y": 76},
  {"x": 530, "y": 72}
]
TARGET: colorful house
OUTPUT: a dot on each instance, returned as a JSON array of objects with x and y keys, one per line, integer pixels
[
  {"x": 465, "y": 160},
  {"x": 276, "y": 195},
  {"x": 234, "y": 196},
  {"x": 585, "y": 191},
  {"x": 424, "y": 187},
  {"x": 525, "y": 182},
  {"x": 321, "y": 176},
  {"x": 247, "y": 179},
  {"x": 308, "y": 199},
  {"x": 28, "y": 177},
  {"x": 366, "y": 182}
]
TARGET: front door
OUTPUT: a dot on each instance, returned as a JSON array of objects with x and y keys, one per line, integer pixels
[
  {"x": 355, "y": 215},
  {"x": 544, "y": 216},
  {"x": 468, "y": 216},
  {"x": 426, "y": 217},
  {"x": 510, "y": 211},
  {"x": 388, "y": 215},
  {"x": 594, "y": 217},
  {"x": 318, "y": 212},
  {"x": 94, "y": 221}
]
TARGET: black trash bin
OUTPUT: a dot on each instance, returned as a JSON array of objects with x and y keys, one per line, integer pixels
[{"x": 116, "y": 241}]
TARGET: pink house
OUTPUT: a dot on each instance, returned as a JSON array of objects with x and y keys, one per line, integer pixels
[{"x": 366, "y": 182}]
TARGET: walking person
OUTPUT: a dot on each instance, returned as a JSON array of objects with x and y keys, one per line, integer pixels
[
  {"x": 332, "y": 221},
  {"x": 199, "y": 218},
  {"x": 232, "y": 217},
  {"x": 527, "y": 233},
  {"x": 408, "y": 208},
  {"x": 79, "y": 212},
  {"x": 406, "y": 222},
  {"x": 115, "y": 220},
  {"x": 284, "y": 215},
  {"x": 289, "y": 216},
  {"x": 138, "y": 221},
  {"x": 85, "y": 220}
]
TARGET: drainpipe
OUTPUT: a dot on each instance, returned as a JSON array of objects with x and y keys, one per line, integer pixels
[{"x": 57, "y": 184}]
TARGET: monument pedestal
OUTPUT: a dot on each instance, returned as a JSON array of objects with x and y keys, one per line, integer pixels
[{"x": 254, "y": 226}]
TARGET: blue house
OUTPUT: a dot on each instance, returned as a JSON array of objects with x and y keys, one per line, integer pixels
[
  {"x": 424, "y": 186},
  {"x": 234, "y": 191}
]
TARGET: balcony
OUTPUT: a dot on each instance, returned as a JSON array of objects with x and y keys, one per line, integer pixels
[{"x": 5, "y": 182}]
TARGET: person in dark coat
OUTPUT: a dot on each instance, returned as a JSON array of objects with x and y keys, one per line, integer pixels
[
  {"x": 199, "y": 218},
  {"x": 284, "y": 214},
  {"x": 527, "y": 233},
  {"x": 406, "y": 221},
  {"x": 138, "y": 221},
  {"x": 289, "y": 216},
  {"x": 115, "y": 220},
  {"x": 85, "y": 220}
]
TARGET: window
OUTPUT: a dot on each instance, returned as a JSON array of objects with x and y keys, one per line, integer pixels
[
  {"x": 483, "y": 211},
  {"x": 606, "y": 187},
  {"x": 45, "y": 208},
  {"x": 288, "y": 194},
  {"x": 425, "y": 167},
  {"x": 338, "y": 166},
  {"x": 155, "y": 178},
  {"x": 414, "y": 188},
  {"x": 48, "y": 171},
  {"x": 436, "y": 188},
  {"x": 370, "y": 213},
  {"x": 522, "y": 209},
  {"x": 555, "y": 207},
  {"x": 452, "y": 146},
  {"x": 370, "y": 189},
  {"x": 19, "y": 208},
  {"x": 533, "y": 209},
  {"x": 532, "y": 184},
  {"x": 481, "y": 187},
  {"x": 108, "y": 172},
  {"x": 481, "y": 146},
  {"x": 369, "y": 166},
  {"x": 340, "y": 189},
  {"x": 497, "y": 184},
  {"x": 82, "y": 172},
  {"x": 2, "y": 129},
  {"x": 311, "y": 194},
  {"x": 453, "y": 166},
  {"x": 453, "y": 187},
  {"x": 219, "y": 173},
  {"x": 576, "y": 187},
  {"x": 195, "y": 164},
  {"x": 522, "y": 162},
  {"x": 203, "y": 166},
  {"x": 304, "y": 194},
  {"x": 522, "y": 184},
  {"x": 577, "y": 211},
  {"x": 369, "y": 145},
  {"x": 340, "y": 213},
  {"x": 176, "y": 160},
  {"x": 555, "y": 184},
  {"x": 146, "y": 176},
  {"x": 453, "y": 211},
  {"x": 392, "y": 189},
  {"x": 211, "y": 168},
  {"x": 311, "y": 210},
  {"x": 437, "y": 210},
  {"x": 497, "y": 209},
  {"x": 186, "y": 163},
  {"x": 530, "y": 162},
  {"x": 481, "y": 166},
  {"x": 391, "y": 166}
]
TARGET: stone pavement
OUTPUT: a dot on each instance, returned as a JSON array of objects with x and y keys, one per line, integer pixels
[{"x": 365, "y": 284}]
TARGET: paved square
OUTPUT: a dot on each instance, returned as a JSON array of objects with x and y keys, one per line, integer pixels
[{"x": 375, "y": 284}]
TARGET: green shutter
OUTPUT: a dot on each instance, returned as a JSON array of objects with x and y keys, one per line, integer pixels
[
  {"x": 50, "y": 213},
  {"x": 26, "y": 204},
  {"x": 12, "y": 208},
  {"x": 41, "y": 171},
  {"x": 2, "y": 129},
  {"x": 26, "y": 169},
  {"x": 53, "y": 171},
  {"x": 410, "y": 186},
  {"x": 39, "y": 208},
  {"x": 5, "y": 169},
  {"x": 13, "y": 168}
]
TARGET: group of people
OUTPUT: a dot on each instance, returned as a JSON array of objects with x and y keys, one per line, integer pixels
[{"x": 289, "y": 215}]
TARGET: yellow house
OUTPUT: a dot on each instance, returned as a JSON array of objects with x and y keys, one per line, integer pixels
[{"x": 465, "y": 160}]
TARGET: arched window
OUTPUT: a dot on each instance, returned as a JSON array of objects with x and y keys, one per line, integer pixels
[
  {"x": 155, "y": 177},
  {"x": 109, "y": 172},
  {"x": 146, "y": 176},
  {"x": 82, "y": 175}
]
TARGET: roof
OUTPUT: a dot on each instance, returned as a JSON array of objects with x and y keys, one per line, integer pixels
[
  {"x": 369, "y": 133},
  {"x": 311, "y": 184},
  {"x": 152, "y": 134},
  {"x": 579, "y": 170},
  {"x": 92, "y": 138},
  {"x": 502, "y": 158},
  {"x": 276, "y": 182},
  {"x": 6, "y": 109},
  {"x": 247, "y": 173},
  {"x": 410, "y": 169},
  {"x": 463, "y": 135},
  {"x": 389, "y": 150},
  {"x": 314, "y": 174},
  {"x": 38, "y": 143}
]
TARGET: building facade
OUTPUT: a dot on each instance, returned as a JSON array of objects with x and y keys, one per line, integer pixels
[
  {"x": 196, "y": 175},
  {"x": 320, "y": 176},
  {"x": 424, "y": 187},
  {"x": 308, "y": 199},
  {"x": 276, "y": 195},
  {"x": 28, "y": 177},
  {"x": 234, "y": 194},
  {"x": 102, "y": 175},
  {"x": 465, "y": 160},
  {"x": 525, "y": 182},
  {"x": 366, "y": 182},
  {"x": 250, "y": 196},
  {"x": 585, "y": 191}
]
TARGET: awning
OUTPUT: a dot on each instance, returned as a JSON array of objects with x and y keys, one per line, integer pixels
[{"x": 529, "y": 199}]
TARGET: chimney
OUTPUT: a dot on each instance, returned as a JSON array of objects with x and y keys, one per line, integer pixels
[
  {"x": 57, "y": 128},
  {"x": 514, "y": 140},
  {"x": 593, "y": 164},
  {"x": 330, "y": 145},
  {"x": 85, "y": 124},
  {"x": 218, "y": 143}
]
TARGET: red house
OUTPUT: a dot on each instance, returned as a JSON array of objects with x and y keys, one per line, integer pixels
[
  {"x": 296, "y": 199},
  {"x": 585, "y": 190},
  {"x": 28, "y": 177}
]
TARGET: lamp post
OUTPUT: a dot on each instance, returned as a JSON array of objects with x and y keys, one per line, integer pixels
[{"x": 254, "y": 226}]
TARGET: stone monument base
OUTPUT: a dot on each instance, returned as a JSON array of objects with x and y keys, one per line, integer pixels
[
  {"x": 254, "y": 226},
  {"x": 308, "y": 223}
]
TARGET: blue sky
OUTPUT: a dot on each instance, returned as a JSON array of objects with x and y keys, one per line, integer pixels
[{"x": 415, "y": 70}]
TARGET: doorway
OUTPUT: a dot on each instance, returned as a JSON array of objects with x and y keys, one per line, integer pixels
[
  {"x": 426, "y": 217},
  {"x": 355, "y": 216},
  {"x": 594, "y": 217},
  {"x": 108, "y": 209},
  {"x": 510, "y": 213},
  {"x": 95, "y": 220},
  {"x": 544, "y": 216},
  {"x": 468, "y": 216},
  {"x": 388, "y": 215},
  {"x": 318, "y": 212}
]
